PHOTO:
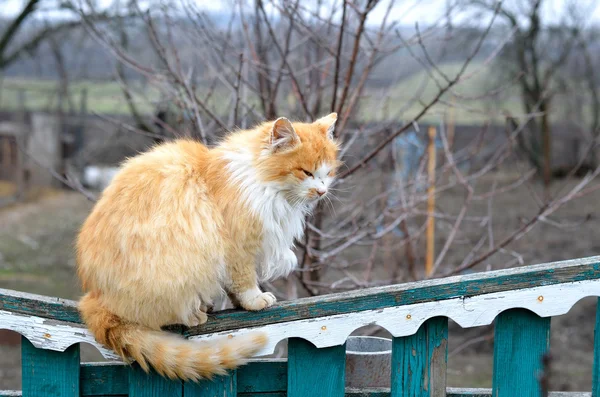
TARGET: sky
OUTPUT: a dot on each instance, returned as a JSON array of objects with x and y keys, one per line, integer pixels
[{"x": 409, "y": 12}]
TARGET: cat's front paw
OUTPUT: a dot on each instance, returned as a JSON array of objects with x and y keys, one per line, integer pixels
[
  {"x": 196, "y": 316},
  {"x": 258, "y": 301}
]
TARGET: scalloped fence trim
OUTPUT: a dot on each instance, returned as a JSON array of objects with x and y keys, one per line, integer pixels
[
  {"x": 472, "y": 300},
  {"x": 407, "y": 294},
  {"x": 346, "y": 302},
  {"x": 50, "y": 334},
  {"x": 546, "y": 301}
]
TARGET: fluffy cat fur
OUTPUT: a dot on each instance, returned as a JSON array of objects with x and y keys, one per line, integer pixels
[{"x": 182, "y": 223}]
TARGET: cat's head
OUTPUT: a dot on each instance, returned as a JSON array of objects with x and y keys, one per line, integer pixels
[{"x": 300, "y": 158}]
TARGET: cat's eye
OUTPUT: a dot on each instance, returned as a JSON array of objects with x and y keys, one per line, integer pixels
[{"x": 307, "y": 173}]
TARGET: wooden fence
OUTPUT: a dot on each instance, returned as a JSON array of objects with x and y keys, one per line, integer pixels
[{"x": 520, "y": 302}]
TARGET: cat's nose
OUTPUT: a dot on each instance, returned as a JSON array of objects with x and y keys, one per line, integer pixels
[{"x": 321, "y": 191}]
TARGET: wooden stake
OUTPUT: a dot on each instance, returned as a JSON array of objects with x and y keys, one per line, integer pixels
[{"x": 430, "y": 249}]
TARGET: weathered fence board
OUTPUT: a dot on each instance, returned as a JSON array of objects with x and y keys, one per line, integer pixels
[
  {"x": 346, "y": 302},
  {"x": 596, "y": 368},
  {"x": 520, "y": 342},
  {"x": 419, "y": 361},
  {"x": 38, "y": 305},
  {"x": 407, "y": 294},
  {"x": 48, "y": 373},
  {"x": 315, "y": 372},
  {"x": 451, "y": 392},
  {"x": 263, "y": 376},
  {"x": 259, "y": 376},
  {"x": 220, "y": 386},
  {"x": 142, "y": 384},
  {"x": 99, "y": 379},
  {"x": 520, "y": 300}
]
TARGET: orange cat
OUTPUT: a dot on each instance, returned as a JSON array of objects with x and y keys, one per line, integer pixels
[{"x": 181, "y": 224}]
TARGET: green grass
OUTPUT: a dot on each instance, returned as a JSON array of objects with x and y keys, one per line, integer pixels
[
  {"x": 102, "y": 97},
  {"x": 471, "y": 98},
  {"x": 477, "y": 99},
  {"x": 480, "y": 97}
]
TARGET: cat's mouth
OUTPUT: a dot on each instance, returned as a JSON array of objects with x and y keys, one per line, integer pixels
[
  {"x": 317, "y": 194},
  {"x": 316, "y": 197}
]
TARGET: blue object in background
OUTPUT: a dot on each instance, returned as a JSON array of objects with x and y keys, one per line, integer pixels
[{"x": 408, "y": 150}]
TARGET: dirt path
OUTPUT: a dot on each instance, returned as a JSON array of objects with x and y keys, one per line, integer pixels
[{"x": 36, "y": 244}]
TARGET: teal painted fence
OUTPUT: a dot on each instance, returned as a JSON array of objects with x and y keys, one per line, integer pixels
[{"x": 418, "y": 360}]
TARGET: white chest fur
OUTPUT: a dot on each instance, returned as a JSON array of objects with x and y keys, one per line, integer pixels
[
  {"x": 282, "y": 221},
  {"x": 281, "y": 226}
]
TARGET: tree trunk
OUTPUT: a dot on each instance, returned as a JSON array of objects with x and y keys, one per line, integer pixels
[
  {"x": 546, "y": 144},
  {"x": 313, "y": 241}
]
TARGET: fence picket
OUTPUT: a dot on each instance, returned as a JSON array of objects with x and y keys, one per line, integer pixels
[
  {"x": 596, "y": 369},
  {"x": 142, "y": 384},
  {"x": 315, "y": 372},
  {"x": 520, "y": 342},
  {"x": 49, "y": 373},
  {"x": 419, "y": 361},
  {"x": 220, "y": 386}
]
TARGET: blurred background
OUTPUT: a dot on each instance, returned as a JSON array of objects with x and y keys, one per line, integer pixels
[{"x": 469, "y": 129}]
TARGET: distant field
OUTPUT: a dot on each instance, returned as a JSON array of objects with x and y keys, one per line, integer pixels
[
  {"x": 102, "y": 97},
  {"x": 477, "y": 99}
]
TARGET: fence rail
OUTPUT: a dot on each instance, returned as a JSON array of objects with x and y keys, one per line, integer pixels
[{"x": 519, "y": 301}]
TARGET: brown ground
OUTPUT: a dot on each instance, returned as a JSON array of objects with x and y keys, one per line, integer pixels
[{"x": 36, "y": 256}]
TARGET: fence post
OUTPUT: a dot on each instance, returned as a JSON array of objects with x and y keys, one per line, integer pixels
[
  {"x": 419, "y": 361},
  {"x": 520, "y": 342},
  {"x": 220, "y": 386},
  {"x": 49, "y": 373},
  {"x": 315, "y": 372},
  {"x": 431, "y": 163},
  {"x": 152, "y": 384},
  {"x": 596, "y": 369}
]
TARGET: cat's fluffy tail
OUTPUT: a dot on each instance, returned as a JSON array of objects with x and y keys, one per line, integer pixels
[{"x": 171, "y": 356}]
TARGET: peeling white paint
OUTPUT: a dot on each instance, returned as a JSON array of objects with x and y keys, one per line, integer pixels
[
  {"x": 49, "y": 334},
  {"x": 406, "y": 320},
  {"x": 545, "y": 301}
]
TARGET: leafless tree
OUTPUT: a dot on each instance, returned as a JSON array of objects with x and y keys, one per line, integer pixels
[
  {"x": 303, "y": 59},
  {"x": 538, "y": 55},
  {"x": 31, "y": 26}
]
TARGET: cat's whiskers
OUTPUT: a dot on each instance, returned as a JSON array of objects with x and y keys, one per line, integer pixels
[
  {"x": 330, "y": 203},
  {"x": 332, "y": 195},
  {"x": 335, "y": 189}
]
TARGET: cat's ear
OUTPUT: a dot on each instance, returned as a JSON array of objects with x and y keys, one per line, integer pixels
[
  {"x": 283, "y": 135},
  {"x": 328, "y": 124}
]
